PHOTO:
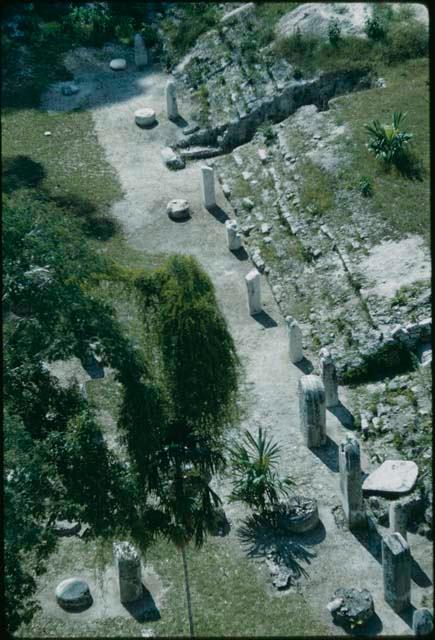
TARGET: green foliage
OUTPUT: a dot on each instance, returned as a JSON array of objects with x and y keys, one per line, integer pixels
[
  {"x": 124, "y": 30},
  {"x": 387, "y": 142},
  {"x": 388, "y": 359},
  {"x": 254, "y": 464},
  {"x": 195, "y": 19},
  {"x": 268, "y": 132},
  {"x": 406, "y": 40},
  {"x": 365, "y": 186},
  {"x": 375, "y": 28},
  {"x": 317, "y": 193},
  {"x": 334, "y": 32},
  {"x": 90, "y": 24}
]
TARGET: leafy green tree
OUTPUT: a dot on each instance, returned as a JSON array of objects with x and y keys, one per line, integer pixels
[{"x": 254, "y": 463}]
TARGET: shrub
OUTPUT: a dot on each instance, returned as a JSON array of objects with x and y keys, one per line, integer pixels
[
  {"x": 375, "y": 28},
  {"x": 386, "y": 141},
  {"x": 405, "y": 41},
  {"x": 366, "y": 186},
  {"x": 124, "y": 30},
  {"x": 334, "y": 32},
  {"x": 268, "y": 132},
  {"x": 90, "y": 24}
]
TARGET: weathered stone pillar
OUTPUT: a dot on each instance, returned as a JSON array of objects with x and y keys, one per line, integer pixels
[
  {"x": 207, "y": 187},
  {"x": 349, "y": 461},
  {"x": 422, "y": 622},
  {"x": 398, "y": 514},
  {"x": 312, "y": 410},
  {"x": 171, "y": 101},
  {"x": 233, "y": 236},
  {"x": 294, "y": 340},
  {"x": 140, "y": 52},
  {"x": 328, "y": 373},
  {"x": 396, "y": 566},
  {"x": 254, "y": 292},
  {"x": 129, "y": 571}
]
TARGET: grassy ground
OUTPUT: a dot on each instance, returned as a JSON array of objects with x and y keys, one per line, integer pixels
[{"x": 400, "y": 202}]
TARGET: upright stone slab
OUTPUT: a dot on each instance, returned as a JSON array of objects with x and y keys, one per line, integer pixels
[
  {"x": 398, "y": 514},
  {"x": 349, "y": 461},
  {"x": 312, "y": 410},
  {"x": 171, "y": 101},
  {"x": 140, "y": 52},
  {"x": 396, "y": 567},
  {"x": 328, "y": 373},
  {"x": 294, "y": 340},
  {"x": 422, "y": 622},
  {"x": 254, "y": 292},
  {"x": 233, "y": 236},
  {"x": 129, "y": 571},
  {"x": 207, "y": 187}
]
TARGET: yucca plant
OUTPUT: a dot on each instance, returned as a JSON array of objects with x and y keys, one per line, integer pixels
[
  {"x": 254, "y": 464},
  {"x": 387, "y": 142}
]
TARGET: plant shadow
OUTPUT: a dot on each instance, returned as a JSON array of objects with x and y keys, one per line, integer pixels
[
  {"x": 144, "y": 609},
  {"x": 262, "y": 538}
]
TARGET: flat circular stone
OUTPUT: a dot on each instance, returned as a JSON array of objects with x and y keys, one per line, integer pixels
[
  {"x": 145, "y": 117},
  {"x": 73, "y": 594},
  {"x": 118, "y": 64},
  {"x": 392, "y": 477},
  {"x": 352, "y": 606},
  {"x": 298, "y": 515},
  {"x": 178, "y": 209}
]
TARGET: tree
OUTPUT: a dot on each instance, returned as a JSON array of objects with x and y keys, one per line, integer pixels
[
  {"x": 254, "y": 465},
  {"x": 197, "y": 366}
]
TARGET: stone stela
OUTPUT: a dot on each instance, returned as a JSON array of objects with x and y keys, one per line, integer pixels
[
  {"x": 396, "y": 567},
  {"x": 171, "y": 101},
  {"x": 349, "y": 460},
  {"x": 129, "y": 571},
  {"x": 398, "y": 515},
  {"x": 140, "y": 52},
  {"x": 207, "y": 187},
  {"x": 254, "y": 292},
  {"x": 295, "y": 340},
  {"x": 233, "y": 236},
  {"x": 312, "y": 410},
  {"x": 328, "y": 373}
]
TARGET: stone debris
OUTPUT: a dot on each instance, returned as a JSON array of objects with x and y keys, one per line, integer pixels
[
  {"x": 69, "y": 89},
  {"x": 248, "y": 204},
  {"x": 171, "y": 159},
  {"x": 118, "y": 64},
  {"x": 353, "y": 607},
  {"x": 73, "y": 594},
  {"x": 47, "y": 133},
  {"x": 422, "y": 622},
  {"x": 392, "y": 477}
]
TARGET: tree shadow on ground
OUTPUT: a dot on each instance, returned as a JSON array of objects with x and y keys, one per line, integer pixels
[
  {"x": 21, "y": 171},
  {"x": 328, "y": 454},
  {"x": 343, "y": 415},
  {"x": 261, "y": 537},
  {"x": 265, "y": 320},
  {"x": 99, "y": 227},
  {"x": 305, "y": 366},
  {"x": 144, "y": 609}
]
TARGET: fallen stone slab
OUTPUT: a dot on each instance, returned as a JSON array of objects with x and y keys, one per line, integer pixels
[
  {"x": 118, "y": 64},
  {"x": 73, "y": 594},
  {"x": 145, "y": 117},
  {"x": 351, "y": 607},
  {"x": 171, "y": 159},
  {"x": 200, "y": 153},
  {"x": 178, "y": 209},
  {"x": 66, "y": 528},
  {"x": 191, "y": 128},
  {"x": 392, "y": 477}
]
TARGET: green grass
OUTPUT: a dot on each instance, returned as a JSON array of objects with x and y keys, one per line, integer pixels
[
  {"x": 399, "y": 201},
  {"x": 229, "y": 597},
  {"x": 317, "y": 192}
]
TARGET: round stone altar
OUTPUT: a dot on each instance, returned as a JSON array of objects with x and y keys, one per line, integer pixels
[
  {"x": 351, "y": 606},
  {"x": 178, "y": 209},
  {"x": 145, "y": 117},
  {"x": 118, "y": 64},
  {"x": 298, "y": 514},
  {"x": 73, "y": 594}
]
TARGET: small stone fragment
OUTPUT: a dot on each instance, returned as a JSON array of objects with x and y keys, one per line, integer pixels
[
  {"x": 118, "y": 64},
  {"x": 178, "y": 209},
  {"x": 69, "y": 89}
]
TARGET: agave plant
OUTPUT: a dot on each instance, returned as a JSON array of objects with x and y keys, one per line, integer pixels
[
  {"x": 254, "y": 463},
  {"x": 387, "y": 142}
]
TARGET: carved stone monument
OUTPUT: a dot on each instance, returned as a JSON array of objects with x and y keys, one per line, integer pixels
[
  {"x": 207, "y": 187},
  {"x": 328, "y": 373},
  {"x": 129, "y": 571},
  {"x": 396, "y": 567},
  {"x": 140, "y": 52},
  {"x": 233, "y": 236},
  {"x": 312, "y": 410},
  {"x": 171, "y": 101},
  {"x": 254, "y": 292},
  {"x": 349, "y": 460}
]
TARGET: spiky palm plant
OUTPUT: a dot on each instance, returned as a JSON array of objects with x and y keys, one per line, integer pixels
[
  {"x": 254, "y": 463},
  {"x": 386, "y": 141}
]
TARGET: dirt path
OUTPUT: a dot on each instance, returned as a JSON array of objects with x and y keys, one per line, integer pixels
[{"x": 271, "y": 381}]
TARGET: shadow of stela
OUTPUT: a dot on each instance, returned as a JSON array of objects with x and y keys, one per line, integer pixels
[
  {"x": 261, "y": 538},
  {"x": 218, "y": 213},
  {"x": 343, "y": 415},
  {"x": 265, "y": 320},
  {"x": 305, "y": 366},
  {"x": 241, "y": 254},
  {"x": 328, "y": 454},
  {"x": 144, "y": 609}
]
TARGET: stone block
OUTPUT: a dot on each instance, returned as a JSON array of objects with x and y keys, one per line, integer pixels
[
  {"x": 396, "y": 568},
  {"x": 312, "y": 410}
]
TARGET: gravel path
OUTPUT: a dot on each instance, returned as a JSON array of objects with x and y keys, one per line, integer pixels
[{"x": 271, "y": 381}]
